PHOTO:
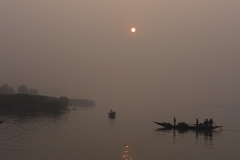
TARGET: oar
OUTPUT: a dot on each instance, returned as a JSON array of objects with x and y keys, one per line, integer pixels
[{"x": 217, "y": 126}]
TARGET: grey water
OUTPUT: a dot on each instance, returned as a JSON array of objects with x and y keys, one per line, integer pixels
[{"x": 88, "y": 134}]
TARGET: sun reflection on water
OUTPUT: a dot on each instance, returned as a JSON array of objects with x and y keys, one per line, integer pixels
[{"x": 126, "y": 154}]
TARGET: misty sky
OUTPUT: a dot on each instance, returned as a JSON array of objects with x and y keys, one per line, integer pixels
[{"x": 184, "y": 52}]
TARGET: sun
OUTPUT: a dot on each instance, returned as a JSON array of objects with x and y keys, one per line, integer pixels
[{"x": 133, "y": 30}]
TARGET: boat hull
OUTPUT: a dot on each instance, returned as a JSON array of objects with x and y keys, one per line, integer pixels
[
  {"x": 111, "y": 114},
  {"x": 187, "y": 127}
]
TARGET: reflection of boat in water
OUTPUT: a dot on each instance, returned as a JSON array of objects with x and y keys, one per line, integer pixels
[
  {"x": 184, "y": 126},
  {"x": 111, "y": 114},
  {"x": 197, "y": 132}
]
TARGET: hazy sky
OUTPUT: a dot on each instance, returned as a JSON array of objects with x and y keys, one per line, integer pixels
[{"x": 184, "y": 52}]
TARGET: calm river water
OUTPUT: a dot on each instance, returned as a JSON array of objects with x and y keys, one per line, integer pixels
[{"x": 88, "y": 134}]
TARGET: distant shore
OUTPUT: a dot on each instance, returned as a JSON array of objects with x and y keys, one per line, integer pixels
[{"x": 81, "y": 102}]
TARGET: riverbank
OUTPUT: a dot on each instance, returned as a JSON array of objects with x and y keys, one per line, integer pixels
[{"x": 27, "y": 102}]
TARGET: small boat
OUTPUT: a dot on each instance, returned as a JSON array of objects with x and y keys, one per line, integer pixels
[
  {"x": 185, "y": 126},
  {"x": 111, "y": 114}
]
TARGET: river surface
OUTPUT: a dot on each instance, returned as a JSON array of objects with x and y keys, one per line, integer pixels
[{"x": 88, "y": 134}]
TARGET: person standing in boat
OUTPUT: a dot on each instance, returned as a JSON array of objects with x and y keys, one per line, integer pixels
[
  {"x": 211, "y": 122},
  {"x": 174, "y": 121},
  {"x": 196, "y": 122},
  {"x": 206, "y": 122}
]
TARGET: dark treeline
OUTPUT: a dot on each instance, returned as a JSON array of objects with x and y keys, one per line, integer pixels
[
  {"x": 21, "y": 89},
  {"x": 81, "y": 102},
  {"x": 28, "y": 100},
  {"x": 32, "y": 103}
]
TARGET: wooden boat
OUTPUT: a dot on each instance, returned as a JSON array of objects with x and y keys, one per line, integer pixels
[
  {"x": 186, "y": 126},
  {"x": 111, "y": 114}
]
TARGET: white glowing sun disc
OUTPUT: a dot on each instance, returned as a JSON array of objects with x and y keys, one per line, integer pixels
[{"x": 133, "y": 29}]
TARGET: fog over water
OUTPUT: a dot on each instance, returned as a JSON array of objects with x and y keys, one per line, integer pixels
[{"x": 183, "y": 53}]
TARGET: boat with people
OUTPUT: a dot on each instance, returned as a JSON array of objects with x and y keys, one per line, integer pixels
[
  {"x": 111, "y": 114},
  {"x": 206, "y": 125}
]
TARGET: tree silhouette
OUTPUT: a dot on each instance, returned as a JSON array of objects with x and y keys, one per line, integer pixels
[
  {"x": 22, "y": 89},
  {"x": 6, "y": 89}
]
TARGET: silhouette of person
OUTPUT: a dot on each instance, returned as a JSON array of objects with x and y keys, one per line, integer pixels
[
  {"x": 206, "y": 122},
  {"x": 211, "y": 121},
  {"x": 196, "y": 122},
  {"x": 174, "y": 121}
]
